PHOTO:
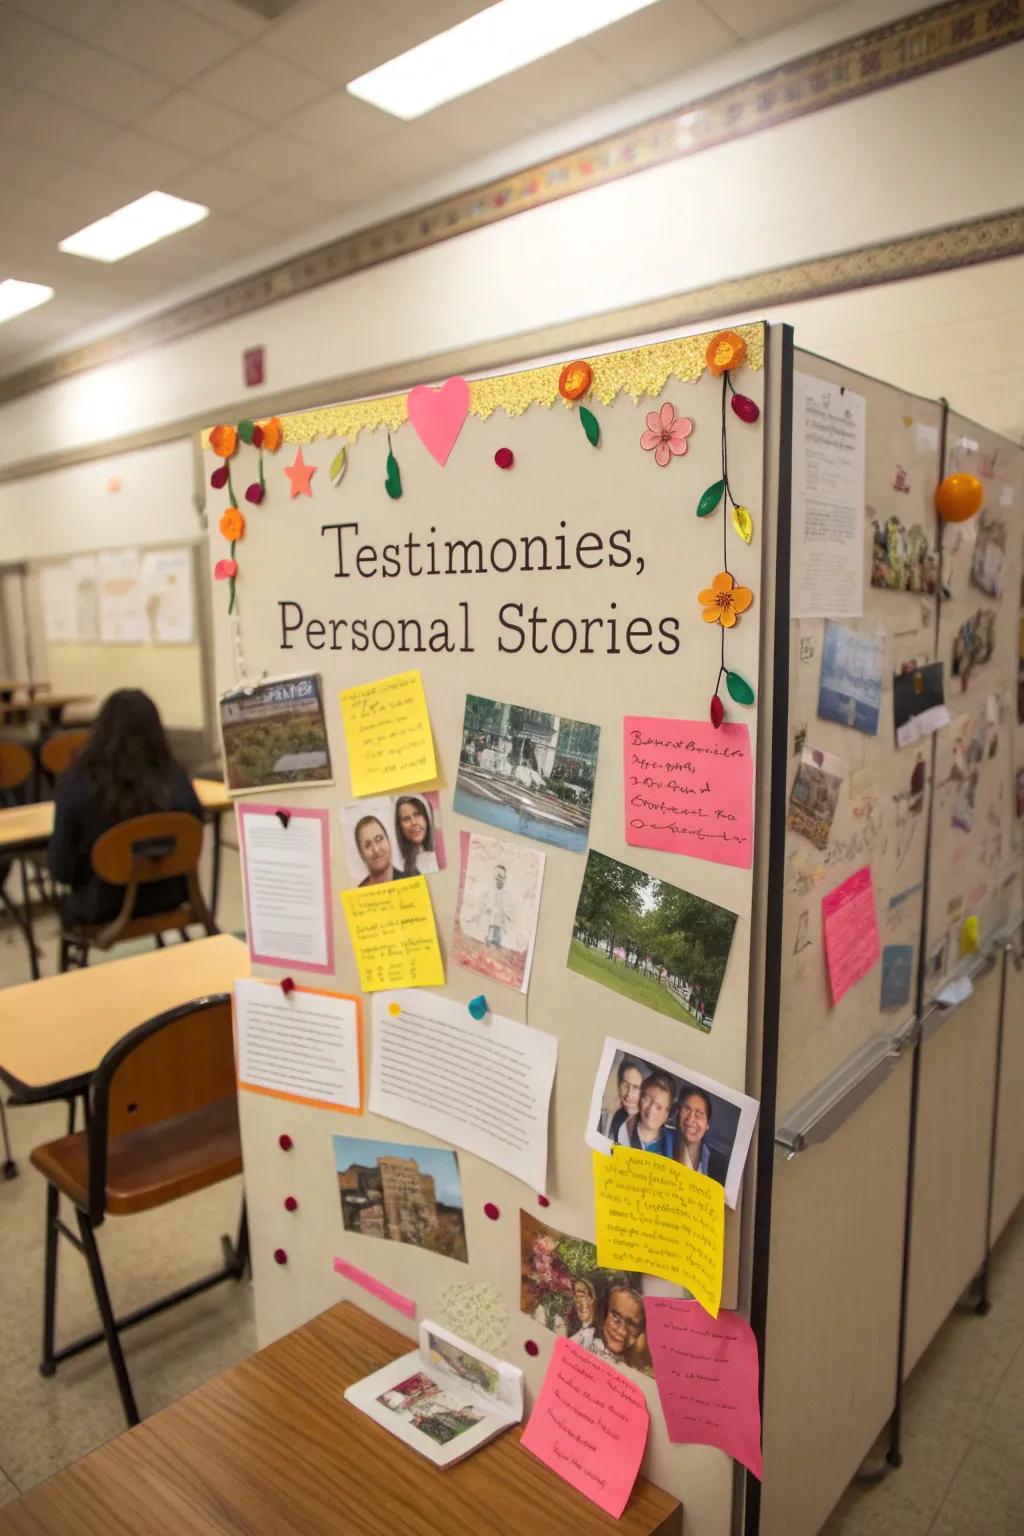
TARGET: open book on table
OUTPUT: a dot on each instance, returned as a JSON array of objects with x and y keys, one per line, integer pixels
[{"x": 444, "y": 1399}]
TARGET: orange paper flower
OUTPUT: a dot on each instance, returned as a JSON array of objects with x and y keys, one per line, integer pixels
[
  {"x": 232, "y": 524},
  {"x": 224, "y": 441},
  {"x": 575, "y": 379},
  {"x": 726, "y": 350},
  {"x": 272, "y": 434},
  {"x": 723, "y": 600}
]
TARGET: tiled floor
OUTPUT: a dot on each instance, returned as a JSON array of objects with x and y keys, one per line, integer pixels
[{"x": 963, "y": 1471}]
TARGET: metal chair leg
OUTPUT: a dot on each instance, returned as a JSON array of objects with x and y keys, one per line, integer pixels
[
  {"x": 10, "y": 1167},
  {"x": 106, "y": 1311},
  {"x": 47, "y": 1365}
]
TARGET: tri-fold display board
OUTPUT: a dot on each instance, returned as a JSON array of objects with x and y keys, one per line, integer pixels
[{"x": 499, "y": 659}]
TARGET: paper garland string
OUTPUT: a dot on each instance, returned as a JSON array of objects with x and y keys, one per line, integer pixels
[
  {"x": 224, "y": 441},
  {"x": 574, "y": 382}
]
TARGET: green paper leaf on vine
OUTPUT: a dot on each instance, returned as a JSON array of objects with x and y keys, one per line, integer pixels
[
  {"x": 393, "y": 483},
  {"x": 709, "y": 501},
  {"x": 339, "y": 464},
  {"x": 739, "y": 688},
  {"x": 245, "y": 430},
  {"x": 591, "y": 426}
]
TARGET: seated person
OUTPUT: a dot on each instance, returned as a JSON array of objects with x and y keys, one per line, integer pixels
[{"x": 126, "y": 770}]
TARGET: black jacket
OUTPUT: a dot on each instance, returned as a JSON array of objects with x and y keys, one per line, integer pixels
[{"x": 78, "y": 823}]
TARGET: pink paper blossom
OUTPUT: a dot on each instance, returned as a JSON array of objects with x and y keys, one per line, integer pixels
[
  {"x": 666, "y": 433},
  {"x": 225, "y": 569}
]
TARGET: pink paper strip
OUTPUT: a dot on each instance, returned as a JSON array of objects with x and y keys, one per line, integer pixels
[
  {"x": 851, "y": 932},
  {"x": 706, "y": 1372},
  {"x": 589, "y": 1424},
  {"x": 689, "y": 788},
  {"x": 376, "y": 1288}
]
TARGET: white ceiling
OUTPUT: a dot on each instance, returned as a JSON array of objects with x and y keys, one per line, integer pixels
[{"x": 102, "y": 100}]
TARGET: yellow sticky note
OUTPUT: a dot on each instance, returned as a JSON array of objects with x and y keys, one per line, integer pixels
[
  {"x": 387, "y": 731},
  {"x": 657, "y": 1217},
  {"x": 970, "y": 939},
  {"x": 394, "y": 935}
]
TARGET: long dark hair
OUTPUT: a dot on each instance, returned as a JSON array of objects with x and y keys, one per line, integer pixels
[
  {"x": 127, "y": 763},
  {"x": 409, "y": 851}
]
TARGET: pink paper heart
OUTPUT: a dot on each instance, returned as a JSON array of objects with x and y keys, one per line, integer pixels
[{"x": 438, "y": 414}]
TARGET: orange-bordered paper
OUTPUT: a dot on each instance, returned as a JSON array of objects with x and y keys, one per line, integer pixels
[{"x": 303, "y": 1045}]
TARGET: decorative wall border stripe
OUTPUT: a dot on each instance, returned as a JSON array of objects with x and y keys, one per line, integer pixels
[{"x": 885, "y": 56}]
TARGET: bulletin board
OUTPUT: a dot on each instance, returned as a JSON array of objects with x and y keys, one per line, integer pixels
[{"x": 524, "y": 464}]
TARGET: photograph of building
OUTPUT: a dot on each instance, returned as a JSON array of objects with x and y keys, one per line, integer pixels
[{"x": 403, "y": 1194}]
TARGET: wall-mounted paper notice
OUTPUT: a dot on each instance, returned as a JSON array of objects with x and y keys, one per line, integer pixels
[
  {"x": 388, "y": 735},
  {"x": 484, "y": 1086},
  {"x": 306, "y": 1046},
  {"x": 657, "y": 1217},
  {"x": 689, "y": 788},
  {"x": 829, "y": 455},
  {"x": 286, "y": 870},
  {"x": 589, "y": 1424},
  {"x": 706, "y": 1370},
  {"x": 851, "y": 932},
  {"x": 394, "y": 935}
]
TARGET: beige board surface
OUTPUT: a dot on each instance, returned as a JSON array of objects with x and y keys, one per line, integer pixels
[
  {"x": 556, "y": 476},
  {"x": 951, "y": 1168},
  {"x": 1008, "y": 1186},
  {"x": 833, "y": 1320}
]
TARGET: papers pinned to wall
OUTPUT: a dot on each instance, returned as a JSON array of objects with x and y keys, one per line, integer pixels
[
  {"x": 305, "y": 1046},
  {"x": 706, "y": 1370},
  {"x": 394, "y": 935},
  {"x": 689, "y": 788},
  {"x": 387, "y": 731},
  {"x": 166, "y": 579},
  {"x": 829, "y": 459},
  {"x": 121, "y": 601},
  {"x": 851, "y": 932},
  {"x": 286, "y": 870}
]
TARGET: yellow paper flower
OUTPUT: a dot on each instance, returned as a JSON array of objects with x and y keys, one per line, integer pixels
[
  {"x": 723, "y": 600},
  {"x": 223, "y": 441},
  {"x": 232, "y": 524},
  {"x": 726, "y": 350}
]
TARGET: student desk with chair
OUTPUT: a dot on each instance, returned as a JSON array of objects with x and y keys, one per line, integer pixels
[
  {"x": 271, "y": 1448},
  {"x": 27, "y": 829}
]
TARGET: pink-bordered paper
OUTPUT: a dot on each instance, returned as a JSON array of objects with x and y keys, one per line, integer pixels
[{"x": 263, "y": 839}]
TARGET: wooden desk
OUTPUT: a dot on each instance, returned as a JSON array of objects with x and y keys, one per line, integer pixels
[
  {"x": 55, "y": 1032},
  {"x": 49, "y": 706},
  {"x": 271, "y": 1448},
  {"x": 28, "y": 829}
]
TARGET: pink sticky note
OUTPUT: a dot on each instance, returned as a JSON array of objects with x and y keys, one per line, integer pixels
[
  {"x": 689, "y": 788},
  {"x": 589, "y": 1424},
  {"x": 376, "y": 1288},
  {"x": 706, "y": 1371},
  {"x": 851, "y": 932}
]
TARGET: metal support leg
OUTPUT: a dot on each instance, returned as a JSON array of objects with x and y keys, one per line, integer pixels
[
  {"x": 215, "y": 872},
  {"x": 10, "y": 1167},
  {"x": 47, "y": 1364},
  {"x": 106, "y": 1311}
]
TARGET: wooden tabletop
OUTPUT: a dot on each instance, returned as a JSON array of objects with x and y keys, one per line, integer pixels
[
  {"x": 45, "y": 703},
  {"x": 31, "y": 826},
  {"x": 271, "y": 1448},
  {"x": 55, "y": 1032}
]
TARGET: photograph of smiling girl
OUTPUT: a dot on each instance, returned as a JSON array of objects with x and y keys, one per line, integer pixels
[
  {"x": 390, "y": 837},
  {"x": 656, "y": 1105}
]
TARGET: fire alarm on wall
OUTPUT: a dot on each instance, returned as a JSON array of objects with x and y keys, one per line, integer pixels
[{"x": 252, "y": 366}]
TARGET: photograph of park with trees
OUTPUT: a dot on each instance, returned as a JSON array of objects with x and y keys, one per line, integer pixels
[{"x": 651, "y": 941}]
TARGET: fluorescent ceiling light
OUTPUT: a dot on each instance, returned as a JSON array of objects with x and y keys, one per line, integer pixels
[
  {"x": 133, "y": 227},
  {"x": 491, "y": 44},
  {"x": 16, "y": 298}
]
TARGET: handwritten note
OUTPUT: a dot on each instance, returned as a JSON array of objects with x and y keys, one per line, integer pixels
[
  {"x": 394, "y": 936},
  {"x": 658, "y": 1217},
  {"x": 706, "y": 1370},
  {"x": 589, "y": 1424},
  {"x": 851, "y": 932},
  {"x": 387, "y": 731},
  {"x": 689, "y": 788}
]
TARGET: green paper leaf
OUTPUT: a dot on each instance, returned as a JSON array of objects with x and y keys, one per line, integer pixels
[
  {"x": 245, "y": 430},
  {"x": 739, "y": 688},
  {"x": 591, "y": 426},
  {"x": 712, "y": 496},
  {"x": 393, "y": 483},
  {"x": 339, "y": 466}
]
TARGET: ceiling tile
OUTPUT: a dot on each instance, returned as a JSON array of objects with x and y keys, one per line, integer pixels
[
  {"x": 93, "y": 193},
  {"x": 197, "y": 125},
  {"x": 26, "y": 47},
  {"x": 132, "y": 154},
  {"x": 175, "y": 42},
  {"x": 565, "y": 84},
  {"x": 220, "y": 188},
  {"x": 279, "y": 158},
  {"x": 264, "y": 84},
  {"x": 229, "y": 13},
  {"x": 347, "y": 183},
  {"x": 428, "y": 17},
  {"x": 481, "y": 121},
  {"x": 99, "y": 83},
  {"x": 750, "y": 18},
  {"x": 46, "y": 216},
  {"x": 403, "y": 155},
  {"x": 676, "y": 35},
  {"x": 339, "y": 39},
  {"x": 72, "y": 16},
  {"x": 26, "y": 165},
  {"x": 285, "y": 210},
  {"x": 51, "y": 124},
  {"x": 339, "y": 123}
]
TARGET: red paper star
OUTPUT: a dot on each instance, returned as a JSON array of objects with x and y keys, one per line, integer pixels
[{"x": 300, "y": 474}]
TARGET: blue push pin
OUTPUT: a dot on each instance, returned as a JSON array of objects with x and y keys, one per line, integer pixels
[{"x": 478, "y": 1006}]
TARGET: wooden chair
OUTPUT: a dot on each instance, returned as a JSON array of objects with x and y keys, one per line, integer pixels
[
  {"x": 59, "y": 751},
  {"x": 133, "y": 854},
  {"x": 17, "y": 769},
  {"x": 162, "y": 1123}
]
